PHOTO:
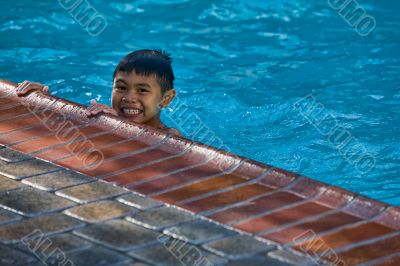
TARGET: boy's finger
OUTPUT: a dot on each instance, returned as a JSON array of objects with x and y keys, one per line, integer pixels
[
  {"x": 93, "y": 102},
  {"x": 46, "y": 90}
]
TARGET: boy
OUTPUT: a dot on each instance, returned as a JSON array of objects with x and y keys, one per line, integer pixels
[{"x": 142, "y": 86}]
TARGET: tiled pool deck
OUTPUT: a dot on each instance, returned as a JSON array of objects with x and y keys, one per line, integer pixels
[{"x": 69, "y": 193}]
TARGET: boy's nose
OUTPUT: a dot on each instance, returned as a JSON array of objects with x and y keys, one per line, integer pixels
[{"x": 131, "y": 97}]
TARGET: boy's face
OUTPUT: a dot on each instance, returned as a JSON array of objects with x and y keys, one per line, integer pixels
[{"x": 138, "y": 97}]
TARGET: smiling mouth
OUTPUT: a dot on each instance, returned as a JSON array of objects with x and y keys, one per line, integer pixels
[{"x": 131, "y": 112}]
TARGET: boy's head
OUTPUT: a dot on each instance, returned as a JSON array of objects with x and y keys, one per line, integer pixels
[{"x": 142, "y": 84}]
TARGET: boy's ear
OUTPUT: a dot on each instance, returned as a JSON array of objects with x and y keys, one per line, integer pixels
[{"x": 168, "y": 96}]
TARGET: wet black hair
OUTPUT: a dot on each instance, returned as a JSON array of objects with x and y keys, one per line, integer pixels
[{"x": 147, "y": 63}]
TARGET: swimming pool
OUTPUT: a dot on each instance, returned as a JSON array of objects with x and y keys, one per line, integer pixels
[{"x": 248, "y": 70}]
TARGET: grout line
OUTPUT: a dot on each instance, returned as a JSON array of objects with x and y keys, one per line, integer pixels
[
  {"x": 380, "y": 260},
  {"x": 229, "y": 171},
  {"x": 348, "y": 226},
  {"x": 364, "y": 243},
  {"x": 183, "y": 169},
  {"x": 128, "y": 169},
  {"x": 69, "y": 155},
  {"x": 237, "y": 204},
  {"x": 308, "y": 219},
  {"x": 229, "y": 188},
  {"x": 128, "y": 154}
]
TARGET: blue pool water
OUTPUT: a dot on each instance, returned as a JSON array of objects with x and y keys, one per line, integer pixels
[{"x": 241, "y": 66}]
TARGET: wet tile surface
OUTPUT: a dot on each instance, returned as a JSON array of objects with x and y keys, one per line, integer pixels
[
  {"x": 90, "y": 192},
  {"x": 351, "y": 235},
  {"x": 97, "y": 256},
  {"x": 57, "y": 180},
  {"x": 367, "y": 252},
  {"x": 12, "y": 156},
  {"x": 11, "y": 257},
  {"x": 99, "y": 211},
  {"x": 8, "y": 216},
  {"x": 226, "y": 198},
  {"x": 7, "y": 184},
  {"x": 26, "y": 168},
  {"x": 199, "y": 231},
  {"x": 278, "y": 218},
  {"x": 172, "y": 252},
  {"x": 118, "y": 234},
  {"x": 31, "y": 202},
  {"x": 160, "y": 217},
  {"x": 140, "y": 202},
  {"x": 238, "y": 246},
  {"x": 14, "y": 232}
]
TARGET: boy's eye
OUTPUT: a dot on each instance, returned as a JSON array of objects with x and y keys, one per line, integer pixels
[
  {"x": 143, "y": 90},
  {"x": 120, "y": 88}
]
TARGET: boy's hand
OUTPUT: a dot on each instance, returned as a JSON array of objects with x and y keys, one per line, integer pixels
[
  {"x": 27, "y": 86},
  {"x": 97, "y": 108}
]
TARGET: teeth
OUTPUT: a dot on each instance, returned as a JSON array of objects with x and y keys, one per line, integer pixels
[{"x": 131, "y": 111}]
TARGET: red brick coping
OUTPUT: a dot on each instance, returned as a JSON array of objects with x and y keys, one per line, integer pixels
[{"x": 324, "y": 221}]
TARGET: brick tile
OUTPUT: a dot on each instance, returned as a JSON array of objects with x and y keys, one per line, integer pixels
[
  {"x": 393, "y": 261},
  {"x": 200, "y": 188},
  {"x": 100, "y": 211},
  {"x": 57, "y": 180},
  {"x": 171, "y": 180},
  {"x": 279, "y": 218},
  {"x": 238, "y": 246},
  {"x": 390, "y": 218},
  {"x": 174, "y": 252},
  {"x": 348, "y": 236},
  {"x": 186, "y": 157},
  {"x": 329, "y": 222},
  {"x": 155, "y": 169},
  {"x": 90, "y": 192},
  {"x": 226, "y": 198},
  {"x": 365, "y": 208},
  {"x": 11, "y": 257},
  {"x": 160, "y": 217},
  {"x": 13, "y": 112},
  {"x": 7, "y": 184},
  {"x": 7, "y": 216},
  {"x": 13, "y": 233},
  {"x": 278, "y": 178},
  {"x": 139, "y": 202},
  {"x": 12, "y": 156},
  {"x": 41, "y": 142},
  {"x": 254, "y": 207},
  {"x": 118, "y": 234},
  {"x": 307, "y": 188},
  {"x": 81, "y": 147},
  {"x": 18, "y": 123},
  {"x": 250, "y": 169},
  {"x": 30, "y": 202},
  {"x": 368, "y": 252},
  {"x": 111, "y": 165},
  {"x": 97, "y": 256},
  {"x": 23, "y": 133},
  {"x": 26, "y": 168},
  {"x": 199, "y": 231},
  {"x": 335, "y": 197}
]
